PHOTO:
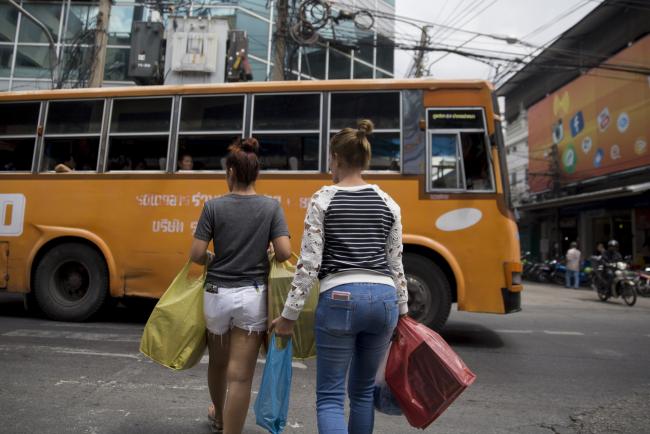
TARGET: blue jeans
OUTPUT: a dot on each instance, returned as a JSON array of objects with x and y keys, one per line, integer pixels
[
  {"x": 351, "y": 334},
  {"x": 569, "y": 274}
]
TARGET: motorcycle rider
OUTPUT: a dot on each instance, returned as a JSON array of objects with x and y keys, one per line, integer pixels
[{"x": 611, "y": 256}]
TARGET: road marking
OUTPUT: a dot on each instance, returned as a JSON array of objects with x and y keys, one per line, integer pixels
[
  {"x": 84, "y": 352},
  {"x": 515, "y": 331},
  {"x": 563, "y": 333},
  {"x": 84, "y": 336},
  {"x": 67, "y": 350}
]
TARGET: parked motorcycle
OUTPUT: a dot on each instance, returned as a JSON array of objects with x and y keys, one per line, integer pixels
[
  {"x": 643, "y": 282},
  {"x": 613, "y": 280},
  {"x": 558, "y": 275}
]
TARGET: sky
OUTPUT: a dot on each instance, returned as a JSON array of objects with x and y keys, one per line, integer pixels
[{"x": 535, "y": 22}]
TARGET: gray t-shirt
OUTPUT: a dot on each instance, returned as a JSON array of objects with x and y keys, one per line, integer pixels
[{"x": 241, "y": 227}]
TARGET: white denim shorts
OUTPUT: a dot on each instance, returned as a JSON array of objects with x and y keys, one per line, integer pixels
[{"x": 243, "y": 307}]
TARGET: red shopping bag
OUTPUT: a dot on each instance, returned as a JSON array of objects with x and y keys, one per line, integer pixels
[{"x": 424, "y": 373}]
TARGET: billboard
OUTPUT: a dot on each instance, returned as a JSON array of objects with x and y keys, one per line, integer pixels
[{"x": 600, "y": 123}]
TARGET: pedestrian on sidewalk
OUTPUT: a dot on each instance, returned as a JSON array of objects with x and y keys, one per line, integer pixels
[
  {"x": 241, "y": 225},
  {"x": 352, "y": 242},
  {"x": 573, "y": 266}
]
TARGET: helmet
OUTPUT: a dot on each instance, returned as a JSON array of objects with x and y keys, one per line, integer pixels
[{"x": 612, "y": 243}]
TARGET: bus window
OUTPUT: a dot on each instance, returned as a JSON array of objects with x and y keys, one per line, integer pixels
[
  {"x": 72, "y": 133},
  {"x": 460, "y": 161},
  {"x": 286, "y": 112},
  {"x": 74, "y": 117},
  {"x": 385, "y": 151},
  {"x": 288, "y": 151},
  {"x": 208, "y": 125},
  {"x": 214, "y": 113},
  {"x": 18, "y": 135},
  {"x": 207, "y": 151},
  {"x": 141, "y": 115},
  {"x": 139, "y": 134},
  {"x": 76, "y": 153},
  {"x": 476, "y": 161},
  {"x": 383, "y": 109},
  {"x": 445, "y": 162},
  {"x": 287, "y": 127}
]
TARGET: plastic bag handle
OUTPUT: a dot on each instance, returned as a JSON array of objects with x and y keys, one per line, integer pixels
[
  {"x": 185, "y": 271},
  {"x": 275, "y": 346}
]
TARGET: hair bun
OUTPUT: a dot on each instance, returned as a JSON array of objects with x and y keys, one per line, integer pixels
[
  {"x": 365, "y": 127},
  {"x": 250, "y": 145}
]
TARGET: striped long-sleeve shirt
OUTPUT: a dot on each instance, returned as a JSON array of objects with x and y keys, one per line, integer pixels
[{"x": 352, "y": 234}]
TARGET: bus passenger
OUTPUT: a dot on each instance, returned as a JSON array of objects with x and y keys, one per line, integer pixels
[
  {"x": 240, "y": 225},
  {"x": 185, "y": 162},
  {"x": 352, "y": 242}
]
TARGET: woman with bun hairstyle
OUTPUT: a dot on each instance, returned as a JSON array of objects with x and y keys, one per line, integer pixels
[
  {"x": 352, "y": 243},
  {"x": 241, "y": 225}
]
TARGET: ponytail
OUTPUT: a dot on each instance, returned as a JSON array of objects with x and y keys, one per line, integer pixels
[
  {"x": 243, "y": 160},
  {"x": 352, "y": 146}
]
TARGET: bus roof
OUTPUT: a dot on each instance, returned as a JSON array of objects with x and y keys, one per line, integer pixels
[{"x": 256, "y": 87}]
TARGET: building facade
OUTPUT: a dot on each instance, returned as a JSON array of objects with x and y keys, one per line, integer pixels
[
  {"x": 579, "y": 122},
  {"x": 28, "y": 61}
]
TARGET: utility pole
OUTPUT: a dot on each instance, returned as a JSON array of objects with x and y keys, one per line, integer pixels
[
  {"x": 282, "y": 17},
  {"x": 101, "y": 40},
  {"x": 417, "y": 67}
]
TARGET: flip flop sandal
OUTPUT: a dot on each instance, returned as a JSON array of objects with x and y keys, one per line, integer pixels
[{"x": 214, "y": 425}]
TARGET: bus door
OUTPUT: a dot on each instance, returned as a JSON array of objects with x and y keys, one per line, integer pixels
[{"x": 457, "y": 151}]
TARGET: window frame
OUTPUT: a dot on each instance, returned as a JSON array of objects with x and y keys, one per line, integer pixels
[
  {"x": 35, "y": 136},
  {"x": 45, "y": 136},
  {"x": 459, "y": 144},
  {"x": 318, "y": 131},
  {"x": 180, "y": 133},
  {"x": 380, "y": 130},
  {"x": 109, "y": 134}
]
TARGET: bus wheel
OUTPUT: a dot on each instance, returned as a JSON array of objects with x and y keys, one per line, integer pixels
[
  {"x": 429, "y": 291},
  {"x": 71, "y": 282}
]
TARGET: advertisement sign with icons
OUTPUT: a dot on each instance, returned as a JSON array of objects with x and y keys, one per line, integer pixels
[{"x": 598, "y": 122}]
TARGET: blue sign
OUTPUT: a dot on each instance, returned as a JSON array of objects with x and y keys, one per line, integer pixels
[
  {"x": 598, "y": 158},
  {"x": 577, "y": 124}
]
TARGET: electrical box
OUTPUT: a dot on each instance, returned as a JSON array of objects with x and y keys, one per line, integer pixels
[
  {"x": 196, "y": 50},
  {"x": 145, "y": 59}
]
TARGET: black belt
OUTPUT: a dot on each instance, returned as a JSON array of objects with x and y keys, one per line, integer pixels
[{"x": 213, "y": 288}]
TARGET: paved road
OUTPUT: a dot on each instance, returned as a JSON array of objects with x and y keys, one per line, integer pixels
[{"x": 566, "y": 364}]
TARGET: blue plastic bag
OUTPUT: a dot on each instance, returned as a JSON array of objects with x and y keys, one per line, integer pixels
[
  {"x": 272, "y": 403},
  {"x": 384, "y": 399}
]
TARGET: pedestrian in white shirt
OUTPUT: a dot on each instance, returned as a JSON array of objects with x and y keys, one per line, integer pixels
[{"x": 573, "y": 266}]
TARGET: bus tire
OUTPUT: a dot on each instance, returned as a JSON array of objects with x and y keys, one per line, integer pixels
[
  {"x": 71, "y": 282},
  {"x": 429, "y": 291}
]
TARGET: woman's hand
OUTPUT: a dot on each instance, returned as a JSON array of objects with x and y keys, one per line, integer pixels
[{"x": 282, "y": 326}]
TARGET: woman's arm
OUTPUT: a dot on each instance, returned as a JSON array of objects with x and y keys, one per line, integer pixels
[
  {"x": 394, "y": 249},
  {"x": 282, "y": 248},
  {"x": 199, "y": 252},
  {"x": 311, "y": 254}
]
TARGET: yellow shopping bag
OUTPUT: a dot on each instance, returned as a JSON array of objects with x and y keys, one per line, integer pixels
[
  {"x": 175, "y": 332},
  {"x": 280, "y": 278}
]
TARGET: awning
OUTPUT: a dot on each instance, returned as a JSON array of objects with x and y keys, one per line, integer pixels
[{"x": 610, "y": 193}]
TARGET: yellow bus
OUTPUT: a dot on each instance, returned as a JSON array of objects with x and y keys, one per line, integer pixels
[{"x": 101, "y": 189}]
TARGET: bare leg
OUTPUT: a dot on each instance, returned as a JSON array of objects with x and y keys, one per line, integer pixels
[
  {"x": 218, "y": 348},
  {"x": 244, "y": 348}
]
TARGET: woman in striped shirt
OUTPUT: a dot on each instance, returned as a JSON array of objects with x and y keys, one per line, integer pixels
[{"x": 352, "y": 243}]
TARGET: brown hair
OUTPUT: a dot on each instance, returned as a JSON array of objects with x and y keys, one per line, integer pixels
[
  {"x": 351, "y": 145},
  {"x": 243, "y": 160}
]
